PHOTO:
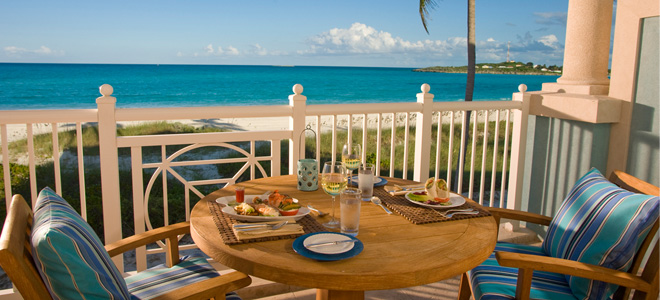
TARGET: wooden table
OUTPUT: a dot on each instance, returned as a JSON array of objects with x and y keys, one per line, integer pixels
[{"x": 397, "y": 253}]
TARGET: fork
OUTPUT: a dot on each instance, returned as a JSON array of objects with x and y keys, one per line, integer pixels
[
  {"x": 474, "y": 212},
  {"x": 445, "y": 213}
]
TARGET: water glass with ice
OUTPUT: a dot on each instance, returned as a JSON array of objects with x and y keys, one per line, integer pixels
[
  {"x": 349, "y": 204},
  {"x": 366, "y": 180}
]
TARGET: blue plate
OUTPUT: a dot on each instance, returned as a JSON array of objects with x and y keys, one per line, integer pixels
[
  {"x": 382, "y": 182},
  {"x": 300, "y": 248}
]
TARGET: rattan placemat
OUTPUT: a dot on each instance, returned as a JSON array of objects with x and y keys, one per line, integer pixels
[
  {"x": 422, "y": 215},
  {"x": 224, "y": 224}
]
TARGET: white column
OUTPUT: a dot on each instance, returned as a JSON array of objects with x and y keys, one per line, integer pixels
[
  {"x": 587, "y": 50},
  {"x": 423, "y": 134}
]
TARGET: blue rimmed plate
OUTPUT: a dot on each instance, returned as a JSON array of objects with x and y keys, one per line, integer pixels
[
  {"x": 299, "y": 247},
  {"x": 378, "y": 181}
]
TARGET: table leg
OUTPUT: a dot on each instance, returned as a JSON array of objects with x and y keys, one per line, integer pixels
[{"x": 334, "y": 294}]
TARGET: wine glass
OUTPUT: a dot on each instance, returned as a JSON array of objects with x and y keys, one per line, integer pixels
[
  {"x": 350, "y": 156},
  {"x": 333, "y": 181}
]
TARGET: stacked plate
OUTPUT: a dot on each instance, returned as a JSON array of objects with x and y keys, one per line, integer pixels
[
  {"x": 378, "y": 181},
  {"x": 327, "y": 246}
]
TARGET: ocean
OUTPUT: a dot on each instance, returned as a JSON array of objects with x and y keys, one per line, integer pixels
[{"x": 70, "y": 86}]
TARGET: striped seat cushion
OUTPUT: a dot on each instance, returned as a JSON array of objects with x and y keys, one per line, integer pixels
[
  {"x": 601, "y": 224},
  {"x": 70, "y": 257},
  {"x": 160, "y": 279},
  {"x": 492, "y": 281}
]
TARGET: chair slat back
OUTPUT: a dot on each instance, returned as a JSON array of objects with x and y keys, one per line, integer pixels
[
  {"x": 641, "y": 261},
  {"x": 16, "y": 252}
]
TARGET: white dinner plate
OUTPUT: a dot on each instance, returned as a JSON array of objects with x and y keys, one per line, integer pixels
[
  {"x": 454, "y": 200},
  {"x": 303, "y": 211},
  {"x": 326, "y": 238}
]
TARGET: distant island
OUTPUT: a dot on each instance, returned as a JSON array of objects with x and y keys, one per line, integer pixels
[{"x": 512, "y": 67}]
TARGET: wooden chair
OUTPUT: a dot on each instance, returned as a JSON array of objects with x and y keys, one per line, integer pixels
[
  {"x": 642, "y": 278},
  {"x": 17, "y": 261}
]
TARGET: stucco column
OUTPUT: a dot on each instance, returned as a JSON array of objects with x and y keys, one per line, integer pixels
[{"x": 586, "y": 54}]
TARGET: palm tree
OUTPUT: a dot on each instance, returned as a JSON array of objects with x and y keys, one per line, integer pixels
[{"x": 424, "y": 7}]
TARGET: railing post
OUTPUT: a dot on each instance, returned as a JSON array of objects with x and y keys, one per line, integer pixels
[
  {"x": 109, "y": 168},
  {"x": 518, "y": 146},
  {"x": 297, "y": 124},
  {"x": 423, "y": 134}
]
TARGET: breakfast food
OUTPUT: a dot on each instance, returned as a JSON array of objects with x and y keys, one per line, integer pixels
[
  {"x": 436, "y": 192},
  {"x": 269, "y": 205}
]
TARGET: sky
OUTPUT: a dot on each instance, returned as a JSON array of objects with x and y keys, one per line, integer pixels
[{"x": 369, "y": 33}]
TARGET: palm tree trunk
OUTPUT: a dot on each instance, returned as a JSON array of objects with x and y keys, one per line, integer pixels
[{"x": 469, "y": 86}]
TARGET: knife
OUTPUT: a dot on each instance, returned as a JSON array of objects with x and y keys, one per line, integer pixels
[{"x": 329, "y": 243}]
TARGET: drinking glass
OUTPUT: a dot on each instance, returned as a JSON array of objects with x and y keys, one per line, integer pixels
[
  {"x": 333, "y": 182},
  {"x": 349, "y": 205},
  {"x": 366, "y": 180},
  {"x": 350, "y": 156}
]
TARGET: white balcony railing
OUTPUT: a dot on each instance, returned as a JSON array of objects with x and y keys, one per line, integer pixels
[{"x": 505, "y": 125}]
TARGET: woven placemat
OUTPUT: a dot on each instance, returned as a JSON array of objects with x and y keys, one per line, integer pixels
[
  {"x": 422, "y": 215},
  {"x": 224, "y": 224}
]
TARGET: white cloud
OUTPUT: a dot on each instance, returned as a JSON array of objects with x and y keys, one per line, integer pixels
[
  {"x": 209, "y": 49},
  {"x": 364, "y": 43},
  {"x": 550, "y": 41},
  {"x": 42, "y": 51}
]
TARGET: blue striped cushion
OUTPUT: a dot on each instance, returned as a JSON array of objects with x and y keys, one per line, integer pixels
[
  {"x": 492, "y": 281},
  {"x": 160, "y": 279},
  {"x": 601, "y": 224},
  {"x": 69, "y": 255}
]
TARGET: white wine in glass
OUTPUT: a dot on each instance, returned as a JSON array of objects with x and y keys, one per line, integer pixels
[
  {"x": 333, "y": 182},
  {"x": 350, "y": 156}
]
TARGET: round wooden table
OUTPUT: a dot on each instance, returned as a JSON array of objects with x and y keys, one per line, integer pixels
[{"x": 397, "y": 253}]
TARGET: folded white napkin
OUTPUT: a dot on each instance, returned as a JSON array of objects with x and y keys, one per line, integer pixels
[{"x": 289, "y": 228}]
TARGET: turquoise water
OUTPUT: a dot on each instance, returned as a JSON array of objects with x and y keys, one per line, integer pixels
[{"x": 65, "y": 86}]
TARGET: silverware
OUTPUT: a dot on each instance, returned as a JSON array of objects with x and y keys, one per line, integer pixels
[
  {"x": 461, "y": 213},
  {"x": 409, "y": 188},
  {"x": 321, "y": 214},
  {"x": 247, "y": 227},
  {"x": 443, "y": 213},
  {"x": 377, "y": 201},
  {"x": 329, "y": 243}
]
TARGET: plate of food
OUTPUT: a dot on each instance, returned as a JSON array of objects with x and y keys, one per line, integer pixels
[
  {"x": 263, "y": 208},
  {"x": 421, "y": 198},
  {"x": 435, "y": 195}
]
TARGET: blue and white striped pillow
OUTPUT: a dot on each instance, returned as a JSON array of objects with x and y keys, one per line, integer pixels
[
  {"x": 601, "y": 224},
  {"x": 70, "y": 257}
]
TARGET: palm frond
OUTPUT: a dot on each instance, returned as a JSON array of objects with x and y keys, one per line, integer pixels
[{"x": 425, "y": 6}]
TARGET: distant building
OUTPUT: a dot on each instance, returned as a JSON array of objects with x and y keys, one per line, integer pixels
[
  {"x": 486, "y": 67},
  {"x": 544, "y": 70}
]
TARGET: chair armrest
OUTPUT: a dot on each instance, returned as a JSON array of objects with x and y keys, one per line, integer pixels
[
  {"x": 151, "y": 236},
  {"x": 518, "y": 215},
  {"x": 570, "y": 267},
  {"x": 215, "y": 287}
]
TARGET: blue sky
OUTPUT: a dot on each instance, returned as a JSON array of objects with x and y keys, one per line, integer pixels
[{"x": 386, "y": 33}]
